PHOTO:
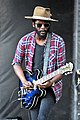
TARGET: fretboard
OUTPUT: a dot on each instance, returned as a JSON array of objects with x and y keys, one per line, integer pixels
[{"x": 49, "y": 76}]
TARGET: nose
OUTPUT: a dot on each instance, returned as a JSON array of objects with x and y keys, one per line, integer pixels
[{"x": 42, "y": 26}]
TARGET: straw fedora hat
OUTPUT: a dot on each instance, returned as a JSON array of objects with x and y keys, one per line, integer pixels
[{"x": 41, "y": 13}]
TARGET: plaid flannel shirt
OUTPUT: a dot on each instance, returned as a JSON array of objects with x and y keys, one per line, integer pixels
[{"x": 25, "y": 49}]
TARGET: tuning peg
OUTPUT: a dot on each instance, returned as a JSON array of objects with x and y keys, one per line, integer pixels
[
  {"x": 65, "y": 73},
  {"x": 66, "y": 63},
  {"x": 68, "y": 73}
]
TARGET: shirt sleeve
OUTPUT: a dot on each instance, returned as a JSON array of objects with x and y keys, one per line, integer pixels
[
  {"x": 19, "y": 54},
  {"x": 61, "y": 57}
]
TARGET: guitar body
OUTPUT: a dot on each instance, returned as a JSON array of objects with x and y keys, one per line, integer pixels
[{"x": 30, "y": 98}]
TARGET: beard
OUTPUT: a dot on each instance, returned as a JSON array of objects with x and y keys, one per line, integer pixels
[{"x": 42, "y": 33}]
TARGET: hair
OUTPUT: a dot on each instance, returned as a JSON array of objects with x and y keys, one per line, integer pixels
[{"x": 33, "y": 20}]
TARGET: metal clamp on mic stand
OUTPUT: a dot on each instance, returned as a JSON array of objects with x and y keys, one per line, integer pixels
[{"x": 78, "y": 80}]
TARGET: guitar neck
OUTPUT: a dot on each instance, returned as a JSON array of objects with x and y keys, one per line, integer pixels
[
  {"x": 49, "y": 76},
  {"x": 66, "y": 68}
]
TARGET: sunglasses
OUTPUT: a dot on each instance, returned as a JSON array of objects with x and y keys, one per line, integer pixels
[{"x": 39, "y": 25}]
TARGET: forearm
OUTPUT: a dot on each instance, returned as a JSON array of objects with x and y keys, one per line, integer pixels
[
  {"x": 19, "y": 72},
  {"x": 56, "y": 78}
]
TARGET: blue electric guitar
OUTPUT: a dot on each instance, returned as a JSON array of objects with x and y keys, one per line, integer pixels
[{"x": 30, "y": 97}]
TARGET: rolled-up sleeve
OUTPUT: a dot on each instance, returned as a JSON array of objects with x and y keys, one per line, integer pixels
[{"x": 19, "y": 54}]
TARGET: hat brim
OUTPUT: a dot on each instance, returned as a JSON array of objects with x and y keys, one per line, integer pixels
[{"x": 40, "y": 18}]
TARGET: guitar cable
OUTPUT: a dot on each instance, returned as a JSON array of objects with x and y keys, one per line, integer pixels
[
  {"x": 12, "y": 94},
  {"x": 19, "y": 97},
  {"x": 29, "y": 116}
]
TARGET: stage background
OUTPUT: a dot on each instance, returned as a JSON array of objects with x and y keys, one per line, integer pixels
[{"x": 12, "y": 27}]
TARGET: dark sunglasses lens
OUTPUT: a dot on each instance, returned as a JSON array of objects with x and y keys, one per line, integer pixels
[
  {"x": 46, "y": 25},
  {"x": 39, "y": 25}
]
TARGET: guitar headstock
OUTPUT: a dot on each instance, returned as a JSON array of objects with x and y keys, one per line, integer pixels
[{"x": 67, "y": 68}]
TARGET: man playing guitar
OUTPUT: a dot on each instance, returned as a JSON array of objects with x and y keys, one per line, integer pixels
[{"x": 32, "y": 47}]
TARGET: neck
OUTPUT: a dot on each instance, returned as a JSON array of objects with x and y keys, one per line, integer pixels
[{"x": 41, "y": 41}]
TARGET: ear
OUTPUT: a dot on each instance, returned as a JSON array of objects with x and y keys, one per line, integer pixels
[{"x": 33, "y": 24}]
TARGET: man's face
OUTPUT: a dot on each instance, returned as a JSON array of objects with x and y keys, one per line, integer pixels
[{"x": 42, "y": 27}]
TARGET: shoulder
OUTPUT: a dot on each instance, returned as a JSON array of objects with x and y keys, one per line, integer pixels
[
  {"x": 28, "y": 36},
  {"x": 57, "y": 37}
]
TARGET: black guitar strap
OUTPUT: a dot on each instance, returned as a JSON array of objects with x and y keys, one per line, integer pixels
[{"x": 46, "y": 54}]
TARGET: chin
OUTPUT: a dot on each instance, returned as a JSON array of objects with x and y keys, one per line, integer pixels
[{"x": 42, "y": 36}]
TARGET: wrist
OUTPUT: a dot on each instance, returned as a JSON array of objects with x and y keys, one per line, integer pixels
[
  {"x": 24, "y": 81},
  {"x": 52, "y": 81}
]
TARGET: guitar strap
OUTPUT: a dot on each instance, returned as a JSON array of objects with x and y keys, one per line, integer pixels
[{"x": 46, "y": 54}]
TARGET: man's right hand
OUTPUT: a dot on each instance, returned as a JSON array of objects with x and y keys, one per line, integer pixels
[
  {"x": 27, "y": 85},
  {"x": 19, "y": 72}
]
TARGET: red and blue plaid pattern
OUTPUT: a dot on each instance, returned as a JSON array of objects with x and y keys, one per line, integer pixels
[{"x": 25, "y": 49}]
